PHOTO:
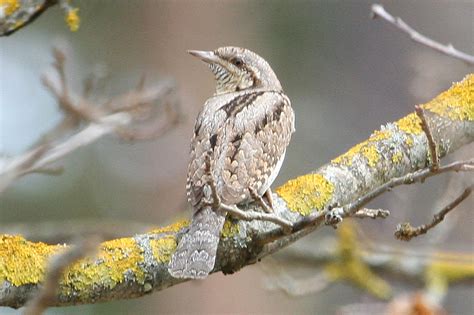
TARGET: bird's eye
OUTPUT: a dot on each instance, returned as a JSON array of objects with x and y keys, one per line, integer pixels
[{"x": 237, "y": 61}]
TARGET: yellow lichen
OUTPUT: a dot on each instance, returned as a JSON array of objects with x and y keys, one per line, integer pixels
[
  {"x": 440, "y": 273},
  {"x": 457, "y": 103},
  {"x": 306, "y": 193},
  {"x": 72, "y": 19},
  {"x": 163, "y": 248},
  {"x": 172, "y": 228},
  {"x": 371, "y": 154},
  {"x": 9, "y": 6},
  {"x": 23, "y": 262},
  {"x": 230, "y": 229},
  {"x": 397, "y": 157},
  {"x": 367, "y": 148},
  {"x": 114, "y": 259},
  {"x": 410, "y": 124},
  {"x": 379, "y": 135},
  {"x": 348, "y": 265}
]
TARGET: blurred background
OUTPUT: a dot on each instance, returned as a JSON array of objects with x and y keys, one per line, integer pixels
[{"x": 345, "y": 74}]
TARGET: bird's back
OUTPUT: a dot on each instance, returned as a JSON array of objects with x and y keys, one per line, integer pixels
[{"x": 246, "y": 134}]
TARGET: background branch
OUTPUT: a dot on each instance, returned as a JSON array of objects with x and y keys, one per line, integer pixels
[
  {"x": 348, "y": 248},
  {"x": 141, "y": 114},
  {"x": 406, "y": 232},
  {"x": 379, "y": 11}
]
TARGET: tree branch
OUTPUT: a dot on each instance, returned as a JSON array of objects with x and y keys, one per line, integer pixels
[
  {"x": 135, "y": 266},
  {"x": 16, "y": 14},
  {"x": 56, "y": 268},
  {"x": 379, "y": 11},
  {"x": 152, "y": 108},
  {"x": 406, "y": 232},
  {"x": 433, "y": 269}
]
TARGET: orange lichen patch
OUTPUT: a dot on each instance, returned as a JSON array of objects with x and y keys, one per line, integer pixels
[
  {"x": 9, "y": 6},
  {"x": 23, "y": 262},
  {"x": 306, "y": 193},
  {"x": 115, "y": 259},
  {"x": 72, "y": 19},
  {"x": 163, "y": 248},
  {"x": 230, "y": 229},
  {"x": 410, "y": 124},
  {"x": 367, "y": 148},
  {"x": 457, "y": 103},
  {"x": 172, "y": 228}
]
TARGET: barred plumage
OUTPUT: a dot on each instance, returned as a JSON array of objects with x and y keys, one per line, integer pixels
[{"x": 245, "y": 127}]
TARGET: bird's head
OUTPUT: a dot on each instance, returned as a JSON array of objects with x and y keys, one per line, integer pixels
[{"x": 237, "y": 69}]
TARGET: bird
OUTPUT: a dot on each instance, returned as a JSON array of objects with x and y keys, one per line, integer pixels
[{"x": 242, "y": 132}]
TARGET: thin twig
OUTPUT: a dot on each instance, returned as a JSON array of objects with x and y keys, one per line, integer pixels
[
  {"x": 379, "y": 11},
  {"x": 431, "y": 142},
  {"x": 58, "y": 263},
  {"x": 259, "y": 200},
  {"x": 406, "y": 232},
  {"x": 254, "y": 215},
  {"x": 121, "y": 120},
  {"x": 307, "y": 224},
  {"x": 410, "y": 178}
]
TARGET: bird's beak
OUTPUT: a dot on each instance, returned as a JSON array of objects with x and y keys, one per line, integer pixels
[{"x": 206, "y": 56}]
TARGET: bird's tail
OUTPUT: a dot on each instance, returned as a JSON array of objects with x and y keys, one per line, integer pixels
[{"x": 196, "y": 253}]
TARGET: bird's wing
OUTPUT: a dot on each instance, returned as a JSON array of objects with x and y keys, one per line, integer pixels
[{"x": 247, "y": 136}]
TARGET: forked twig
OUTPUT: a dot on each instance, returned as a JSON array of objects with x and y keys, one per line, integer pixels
[
  {"x": 120, "y": 119},
  {"x": 406, "y": 232}
]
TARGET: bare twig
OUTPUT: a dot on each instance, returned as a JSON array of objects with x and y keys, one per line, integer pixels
[
  {"x": 410, "y": 178},
  {"x": 307, "y": 224},
  {"x": 406, "y": 232},
  {"x": 58, "y": 263},
  {"x": 254, "y": 215},
  {"x": 431, "y": 142},
  {"x": 379, "y": 11},
  {"x": 98, "y": 120}
]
